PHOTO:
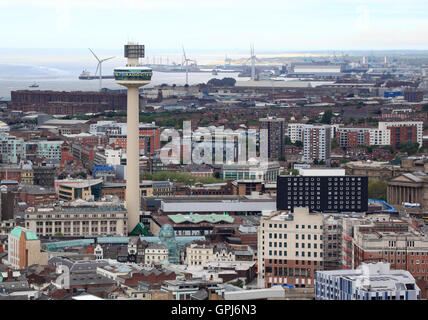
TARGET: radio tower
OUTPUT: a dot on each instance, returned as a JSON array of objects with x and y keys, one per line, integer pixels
[{"x": 133, "y": 76}]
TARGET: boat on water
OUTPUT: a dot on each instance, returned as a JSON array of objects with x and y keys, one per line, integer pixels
[
  {"x": 34, "y": 85},
  {"x": 86, "y": 75}
]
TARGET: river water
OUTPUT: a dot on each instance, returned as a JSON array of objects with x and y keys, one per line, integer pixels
[{"x": 68, "y": 83}]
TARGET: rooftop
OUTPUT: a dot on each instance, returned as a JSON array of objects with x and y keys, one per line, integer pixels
[
  {"x": 210, "y": 206},
  {"x": 198, "y": 218}
]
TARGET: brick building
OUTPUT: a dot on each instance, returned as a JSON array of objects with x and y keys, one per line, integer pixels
[
  {"x": 56, "y": 102},
  {"x": 395, "y": 241},
  {"x": 34, "y": 195}
]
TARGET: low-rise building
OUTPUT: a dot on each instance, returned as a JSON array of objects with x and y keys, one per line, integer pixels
[
  {"x": 252, "y": 170},
  {"x": 71, "y": 189},
  {"x": 87, "y": 219},
  {"x": 374, "y": 281},
  {"x": 184, "y": 289},
  {"x": 155, "y": 253}
]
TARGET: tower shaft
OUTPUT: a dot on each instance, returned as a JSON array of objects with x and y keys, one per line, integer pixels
[
  {"x": 133, "y": 76},
  {"x": 132, "y": 158}
]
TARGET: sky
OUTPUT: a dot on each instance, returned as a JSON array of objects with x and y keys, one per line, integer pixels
[{"x": 215, "y": 25}]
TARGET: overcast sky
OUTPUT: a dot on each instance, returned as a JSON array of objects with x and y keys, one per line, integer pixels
[{"x": 216, "y": 25}]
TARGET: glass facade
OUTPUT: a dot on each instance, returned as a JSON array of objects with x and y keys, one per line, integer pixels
[{"x": 132, "y": 74}]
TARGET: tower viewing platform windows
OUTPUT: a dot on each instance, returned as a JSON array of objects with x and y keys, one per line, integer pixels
[{"x": 133, "y": 74}]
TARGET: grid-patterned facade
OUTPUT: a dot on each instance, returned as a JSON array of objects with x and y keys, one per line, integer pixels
[{"x": 323, "y": 193}]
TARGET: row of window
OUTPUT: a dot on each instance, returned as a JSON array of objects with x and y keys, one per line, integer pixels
[
  {"x": 280, "y": 225},
  {"x": 308, "y": 254}
]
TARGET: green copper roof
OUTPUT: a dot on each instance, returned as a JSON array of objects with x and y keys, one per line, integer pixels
[
  {"x": 198, "y": 218},
  {"x": 29, "y": 235},
  {"x": 140, "y": 229}
]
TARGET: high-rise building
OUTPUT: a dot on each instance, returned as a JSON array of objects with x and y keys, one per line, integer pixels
[
  {"x": 133, "y": 76},
  {"x": 294, "y": 131},
  {"x": 352, "y": 137},
  {"x": 412, "y": 95},
  {"x": 316, "y": 143},
  {"x": 24, "y": 249},
  {"x": 403, "y": 131},
  {"x": 323, "y": 190},
  {"x": 290, "y": 248},
  {"x": 275, "y": 135}
]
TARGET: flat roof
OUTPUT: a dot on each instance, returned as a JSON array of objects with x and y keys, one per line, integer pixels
[
  {"x": 321, "y": 172},
  {"x": 218, "y": 206},
  {"x": 197, "y": 218}
]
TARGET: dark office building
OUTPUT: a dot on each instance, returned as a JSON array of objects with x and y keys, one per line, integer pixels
[
  {"x": 413, "y": 96},
  {"x": 44, "y": 175},
  {"x": 323, "y": 193},
  {"x": 275, "y": 136},
  {"x": 6, "y": 205}
]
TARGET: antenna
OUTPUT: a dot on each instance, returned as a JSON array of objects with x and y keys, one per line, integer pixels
[{"x": 99, "y": 66}]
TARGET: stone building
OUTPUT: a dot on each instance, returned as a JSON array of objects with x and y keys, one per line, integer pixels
[{"x": 410, "y": 188}]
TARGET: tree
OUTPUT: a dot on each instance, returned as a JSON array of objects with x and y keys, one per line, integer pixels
[
  {"x": 326, "y": 117},
  {"x": 82, "y": 174},
  {"x": 298, "y": 144},
  {"x": 410, "y": 147},
  {"x": 238, "y": 283},
  {"x": 225, "y": 82},
  {"x": 377, "y": 189},
  {"x": 334, "y": 143},
  {"x": 62, "y": 176},
  {"x": 388, "y": 148}
]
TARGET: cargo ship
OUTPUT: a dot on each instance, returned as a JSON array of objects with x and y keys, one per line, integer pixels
[{"x": 86, "y": 75}]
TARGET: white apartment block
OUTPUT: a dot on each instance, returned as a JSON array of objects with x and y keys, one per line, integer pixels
[
  {"x": 294, "y": 131},
  {"x": 380, "y": 137},
  {"x": 316, "y": 143}
]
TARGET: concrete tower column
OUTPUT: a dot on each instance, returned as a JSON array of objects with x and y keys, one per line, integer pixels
[
  {"x": 133, "y": 76},
  {"x": 132, "y": 158}
]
